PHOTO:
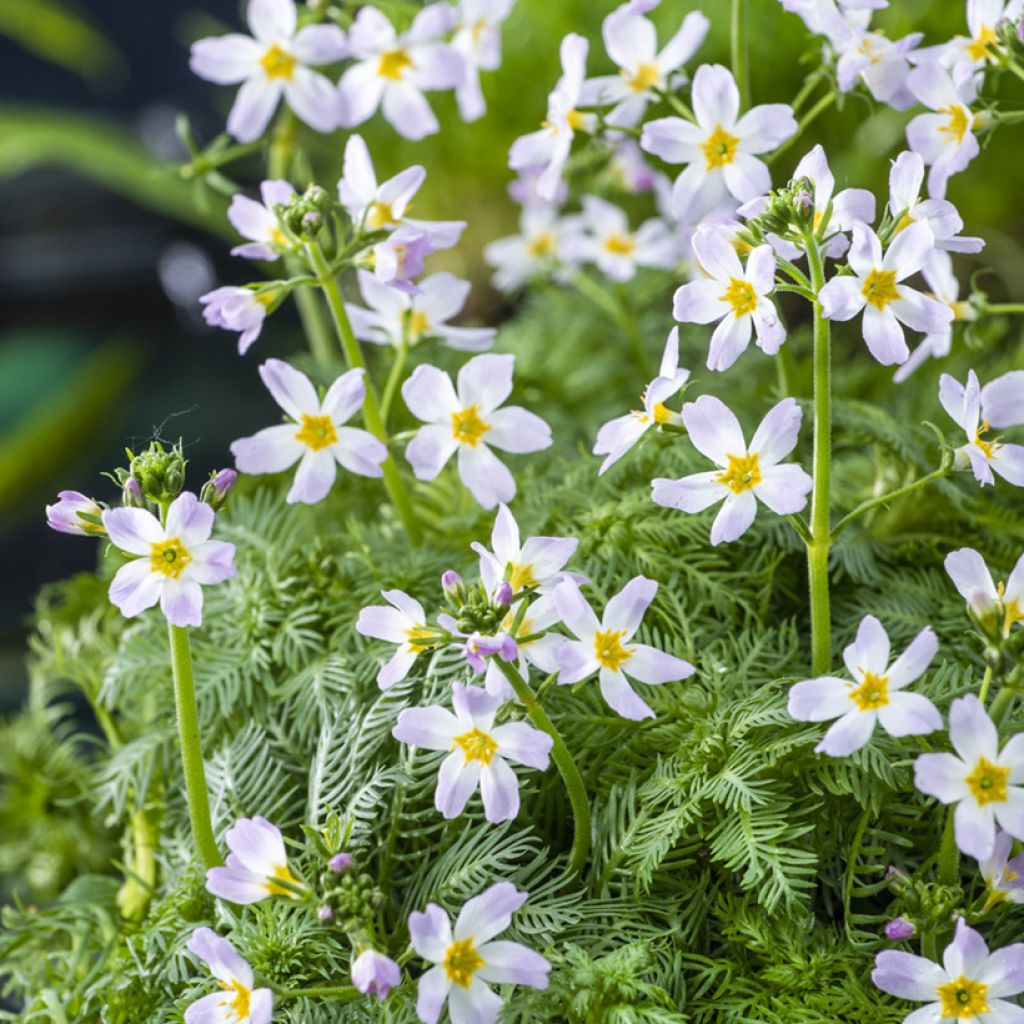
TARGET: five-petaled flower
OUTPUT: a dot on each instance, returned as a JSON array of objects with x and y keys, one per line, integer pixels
[
  {"x": 465, "y": 958},
  {"x": 479, "y": 751},
  {"x": 316, "y": 437},
  {"x": 720, "y": 149},
  {"x": 174, "y": 560},
  {"x": 876, "y": 287},
  {"x": 979, "y": 410},
  {"x": 256, "y": 867},
  {"x": 239, "y": 309},
  {"x": 971, "y": 985},
  {"x": 544, "y": 243},
  {"x": 876, "y": 694},
  {"x": 605, "y": 239},
  {"x": 258, "y": 222},
  {"x": 995, "y": 606},
  {"x": 273, "y": 63},
  {"x": 735, "y": 296},
  {"x": 466, "y": 418},
  {"x": 981, "y": 45},
  {"x": 605, "y": 646},
  {"x": 986, "y": 783},
  {"x": 237, "y": 1002},
  {"x": 746, "y": 474},
  {"x": 404, "y": 623}
]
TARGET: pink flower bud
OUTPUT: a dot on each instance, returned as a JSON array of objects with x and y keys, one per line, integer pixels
[
  {"x": 899, "y": 929},
  {"x": 341, "y": 862},
  {"x": 375, "y": 974}
]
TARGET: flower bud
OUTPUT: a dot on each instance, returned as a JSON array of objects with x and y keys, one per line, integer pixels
[
  {"x": 899, "y": 929},
  {"x": 325, "y": 913},
  {"x": 75, "y": 513},
  {"x": 451, "y": 583},
  {"x": 131, "y": 493},
  {"x": 503, "y": 595},
  {"x": 160, "y": 473},
  {"x": 216, "y": 489},
  {"x": 341, "y": 862},
  {"x": 375, "y": 974}
]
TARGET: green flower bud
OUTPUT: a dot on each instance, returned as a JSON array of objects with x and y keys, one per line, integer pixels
[{"x": 160, "y": 473}]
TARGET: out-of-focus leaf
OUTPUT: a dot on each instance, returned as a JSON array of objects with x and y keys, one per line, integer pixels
[{"x": 53, "y": 30}]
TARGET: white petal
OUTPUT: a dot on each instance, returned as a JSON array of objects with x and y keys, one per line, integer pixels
[{"x": 734, "y": 519}]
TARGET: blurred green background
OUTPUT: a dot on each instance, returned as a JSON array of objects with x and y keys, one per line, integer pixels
[{"x": 105, "y": 248}]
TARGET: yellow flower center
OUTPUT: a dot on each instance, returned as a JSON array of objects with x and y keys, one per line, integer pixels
[
  {"x": 278, "y": 63},
  {"x": 987, "y": 782},
  {"x": 239, "y": 1005},
  {"x": 267, "y": 298},
  {"x": 393, "y": 64},
  {"x": 169, "y": 557},
  {"x": 541, "y": 245},
  {"x": 461, "y": 962},
  {"x": 987, "y": 448},
  {"x": 742, "y": 473},
  {"x": 1012, "y": 612},
  {"x": 317, "y": 432},
  {"x": 576, "y": 120},
  {"x": 476, "y": 745},
  {"x": 379, "y": 215},
  {"x": 277, "y": 237},
  {"x": 281, "y": 874},
  {"x": 662, "y": 414},
  {"x": 609, "y": 651},
  {"x": 419, "y": 324},
  {"x": 904, "y": 222},
  {"x": 741, "y": 296},
  {"x": 646, "y": 75},
  {"x": 873, "y": 692},
  {"x": 619, "y": 245},
  {"x": 418, "y": 633},
  {"x": 522, "y": 576},
  {"x": 963, "y": 999},
  {"x": 468, "y": 427},
  {"x": 880, "y": 288},
  {"x": 978, "y": 48},
  {"x": 719, "y": 148},
  {"x": 958, "y": 123}
]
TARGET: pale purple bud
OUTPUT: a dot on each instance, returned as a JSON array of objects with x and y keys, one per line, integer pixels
[
  {"x": 899, "y": 929},
  {"x": 375, "y": 974},
  {"x": 503, "y": 595},
  {"x": 131, "y": 493},
  {"x": 341, "y": 862},
  {"x": 216, "y": 489},
  {"x": 451, "y": 581},
  {"x": 325, "y": 913},
  {"x": 66, "y": 515}
]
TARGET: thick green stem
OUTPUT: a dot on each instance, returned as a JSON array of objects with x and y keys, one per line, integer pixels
[
  {"x": 740, "y": 63},
  {"x": 1002, "y": 704},
  {"x": 949, "y": 853},
  {"x": 563, "y": 759},
  {"x": 821, "y": 539},
  {"x": 885, "y": 499},
  {"x": 1002, "y": 307},
  {"x": 986, "y": 682},
  {"x": 191, "y": 751},
  {"x": 394, "y": 379},
  {"x": 371, "y": 408}
]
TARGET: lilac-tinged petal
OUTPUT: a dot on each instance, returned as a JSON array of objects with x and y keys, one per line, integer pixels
[
  {"x": 842, "y": 298},
  {"x": 359, "y": 91},
  {"x": 729, "y": 341},
  {"x": 134, "y": 530},
  {"x": 290, "y": 388},
  {"x": 914, "y": 660},
  {"x": 253, "y": 107},
  {"x": 699, "y": 302},
  {"x": 952, "y": 396},
  {"x": 220, "y": 956},
  {"x": 320, "y": 44},
  {"x": 690, "y": 493},
  {"x": 512, "y": 963},
  {"x": 819, "y": 700},
  {"x": 181, "y": 601},
  {"x": 848, "y": 734},
  {"x": 430, "y": 396},
  {"x": 433, "y": 990},
  {"x": 575, "y": 611},
  {"x": 1003, "y": 972},
  {"x": 869, "y": 652},
  {"x": 360, "y": 452},
  {"x": 212, "y": 562},
  {"x": 622, "y": 698},
  {"x": 654, "y": 667},
  {"x": 972, "y": 578},
  {"x": 765, "y": 127},
  {"x": 909, "y": 714},
  {"x": 734, "y": 519},
  {"x": 135, "y": 588},
  {"x": 777, "y": 434},
  {"x": 865, "y": 250},
  {"x": 486, "y": 381},
  {"x": 625, "y": 611},
  {"x": 270, "y": 450},
  {"x": 971, "y": 731},
  {"x": 430, "y": 932},
  {"x": 396, "y": 669},
  {"x": 784, "y": 489},
  {"x": 430, "y": 450},
  {"x": 1002, "y": 400},
  {"x": 713, "y": 429},
  {"x": 314, "y": 98},
  {"x": 1010, "y": 814},
  {"x": 941, "y": 776},
  {"x": 313, "y": 479},
  {"x": 345, "y": 396},
  {"x": 406, "y": 109},
  {"x": 432, "y": 728},
  {"x": 674, "y": 140},
  {"x": 271, "y": 20},
  {"x": 1008, "y": 462},
  {"x": 907, "y": 976},
  {"x": 487, "y": 477},
  {"x": 189, "y": 519},
  {"x": 523, "y": 743},
  {"x": 685, "y": 43},
  {"x": 746, "y": 177},
  {"x": 966, "y": 954},
  {"x": 910, "y": 250},
  {"x": 974, "y": 828},
  {"x": 921, "y": 312},
  {"x": 884, "y": 336},
  {"x": 518, "y": 431},
  {"x": 456, "y": 781},
  {"x": 852, "y": 205},
  {"x": 226, "y": 60},
  {"x": 499, "y": 791},
  {"x": 488, "y": 914},
  {"x": 476, "y": 1005},
  {"x": 716, "y": 255},
  {"x": 714, "y": 96},
  {"x": 251, "y": 219}
]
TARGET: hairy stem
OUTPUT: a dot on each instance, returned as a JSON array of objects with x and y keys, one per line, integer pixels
[
  {"x": 900, "y": 492},
  {"x": 191, "y": 751},
  {"x": 563, "y": 759},
  {"x": 740, "y": 62}
]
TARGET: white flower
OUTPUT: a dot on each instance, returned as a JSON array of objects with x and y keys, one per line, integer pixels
[
  {"x": 544, "y": 243},
  {"x": 1001, "y": 605},
  {"x": 258, "y": 222},
  {"x": 466, "y": 958},
  {"x": 944, "y": 139},
  {"x": 617, "y": 436},
  {"x": 479, "y": 751},
  {"x": 549, "y": 147},
  {"x": 272, "y": 64},
  {"x": 607, "y": 241},
  {"x": 392, "y": 71},
  {"x": 256, "y": 866},
  {"x": 875, "y": 288},
  {"x": 478, "y": 38},
  {"x": 721, "y": 147},
  {"x": 876, "y": 694},
  {"x": 397, "y": 318},
  {"x": 237, "y": 1002},
  {"x": 982, "y": 45},
  {"x": 985, "y": 783},
  {"x": 239, "y": 309},
  {"x": 467, "y": 419},
  {"x": 746, "y": 474},
  {"x": 978, "y": 410},
  {"x": 403, "y": 623},
  {"x": 632, "y": 43},
  {"x": 736, "y": 297},
  {"x": 865, "y": 55}
]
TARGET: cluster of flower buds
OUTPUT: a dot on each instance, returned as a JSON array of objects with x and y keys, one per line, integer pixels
[
  {"x": 349, "y": 897},
  {"x": 788, "y": 210},
  {"x": 158, "y": 474},
  {"x": 923, "y": 906},
  {"x": 304, "y": 215}
]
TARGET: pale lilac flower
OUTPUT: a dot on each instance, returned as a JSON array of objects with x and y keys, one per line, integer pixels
[
  {"x": 979, "y": 410},
  {"x": 467, "y": 419},
  {"x": 375, "y": 974},
  {"x": 256, "y": 866},
  {"x": 876, "y": 694},
  {"x": 396, "y": 318},
  {"x": 970, "y": 985},
  {"x": 944, "y": 139},
  {"x": 866, "y": 55},
  {"x": 174, "y": 560},
  {"x": 238, "y": 309},
  {"x": 478, "y": 38},
  {"x": 1002, "y": 604},
  {"x": 540, "y": 615},
  {"x": 905, "y": 204},
  {"x": 899, "y": 929},
  {"x": 549, "y": 146},
  {"x": 734, "y": 296},
  {"x": 875, "y": 287},
  {"x": 383, "y": 206},
  {"x": 66, "y": 515},
  {"x": 479, "y": 647},
  {"x": 258, "y": 222},
  {"x": 607, "y": 241},
  {"x": 465, "y": 959},
  {"x": 315, "y": 438},
  {"x": 399, "y": 258},
  {"x": 237, "y": 1002},
  {"x": 747, "y": 475},
  {"x": 605, "y": 646},
  {"x": 544, "y": 243},
  {"x": 479, "y": 751},
  {"x": 392, "y": 71},
  {"x": 632, "y": 43},
  {"x": 271, "y": 63},
  {"x": 617, "y": 436},
  {"x": 403, "y": 623},
  {"x": 1003, "y": 875},
  {"x": 986, "y": 784},
  {"x": 523, "y": 190},
  {"x": 628, "y": 167},
  {"x": 720, "y": 149},
  {"x": 981, "y": 46}
]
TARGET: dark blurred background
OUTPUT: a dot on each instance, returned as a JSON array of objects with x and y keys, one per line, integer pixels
[{"x": 104, "y": 251}]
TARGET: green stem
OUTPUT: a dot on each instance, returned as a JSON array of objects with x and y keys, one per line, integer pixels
[
  {"x": 391, "y": 385},
  {"x": 1003, "y": 307},
  {"x": 371, "y": 409},
  {"x": 821, "y": 540},
  {"x": 949, "y": 854},
  {"x": 191, "y": 751},
  {"x": 1002, "y": 704},
  {"x": 740, "y": 64},
  {"x": 785, "y": 366},
  {"x": 819, "y": 108},
  {"x": 563, "y": 759},
  {"x": 810, "y": 84},
  {"x": 986, "y": 682},
  {"x": 900, "y": 492}
]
